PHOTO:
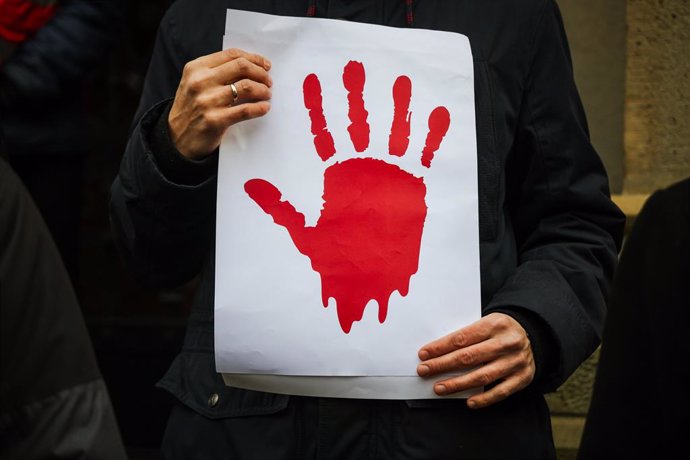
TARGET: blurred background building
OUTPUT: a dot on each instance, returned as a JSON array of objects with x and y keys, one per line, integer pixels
[{"x": 631, "y": 65}]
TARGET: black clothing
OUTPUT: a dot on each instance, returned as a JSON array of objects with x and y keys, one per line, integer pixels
[
  {"x": 548, "y": 229},
  {"x": 53, "y": 402},
  {"x": 342, "y": 429},
  {"x": 55, "y": 183},
  {"x": 640, "y": 403},
  {"x": 36, "y": 300},
  {"x": 43, "y": 118},
  {"x": 42, "y": 84}
]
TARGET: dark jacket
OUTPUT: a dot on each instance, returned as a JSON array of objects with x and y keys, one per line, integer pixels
[
  {"x": 42, "y": 84},
  {"x": 53, "y": 401},
  {"x": 548, "y": 229},
  {"x": 641, "y": 387}
]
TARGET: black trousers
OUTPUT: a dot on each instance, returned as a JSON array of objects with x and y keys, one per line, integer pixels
[{"x": 320, "y": 428}]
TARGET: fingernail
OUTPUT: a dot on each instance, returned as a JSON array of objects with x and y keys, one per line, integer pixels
[
  {"x": 472, "y": 404},
  {"x": 422, "y": 370},
  {"x": 423, "y": 355},
  {"x": 440, "y": 389},
  {"x": 270, "y": 81},
  {"x": 267, "y": 64}
]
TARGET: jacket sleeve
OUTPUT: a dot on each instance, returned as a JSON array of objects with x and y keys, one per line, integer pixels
[
  {"x": 567, "y": 229},
  {"x": 163, "y": 223},
  {"x": 65, "y": 49}
]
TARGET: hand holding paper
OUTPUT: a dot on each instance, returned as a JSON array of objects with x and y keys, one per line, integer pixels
[
  {"x": 203, "y": 109},
  {"x": 496, "y": 346}
]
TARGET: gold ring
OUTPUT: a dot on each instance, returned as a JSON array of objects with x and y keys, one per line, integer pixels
[{"x": 233, "y": 88}]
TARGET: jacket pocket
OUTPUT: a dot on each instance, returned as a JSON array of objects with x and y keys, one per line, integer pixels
[
  {"x": 488, "y": 163},
  {"x": 193, "y": 380}
]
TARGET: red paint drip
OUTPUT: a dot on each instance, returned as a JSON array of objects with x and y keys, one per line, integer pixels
[
  {"x": 323, "y": 140},
  {"x": 439, "y": 121},
  {"x": 353, "y": 79},
  {"x": 399, "y": 138},
  {"x": 367, "y": 240}
]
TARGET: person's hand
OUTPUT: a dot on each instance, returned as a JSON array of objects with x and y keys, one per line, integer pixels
[
  {"x": 205, "y": 105},
  {"x": 497, "y": 350}
]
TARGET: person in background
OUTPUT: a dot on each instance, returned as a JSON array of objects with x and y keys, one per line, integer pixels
[
  {"x": 641, "y": 398},
  {"x": 53, "y": 400},
  {"x": 48, "y": 51},
  {"x": 549, "y": 237}
]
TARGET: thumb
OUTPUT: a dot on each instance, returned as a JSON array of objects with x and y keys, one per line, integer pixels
[{"x": 267, "y": 196}]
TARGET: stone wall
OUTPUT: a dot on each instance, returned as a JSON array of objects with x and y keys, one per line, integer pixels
[
  {"x": 657, "y": 115},
  {"x": 596, "y": 34}
]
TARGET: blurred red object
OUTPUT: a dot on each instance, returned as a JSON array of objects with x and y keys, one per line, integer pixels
[{"x": 21, "y": 18}]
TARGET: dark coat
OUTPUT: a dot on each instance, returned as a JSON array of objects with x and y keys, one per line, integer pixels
[
  {"x": 549, "y": 233},
  {"x": 53, "y": 401},
  {"x": 42, "y": 84},
  {"x": 641, "y": 398}
]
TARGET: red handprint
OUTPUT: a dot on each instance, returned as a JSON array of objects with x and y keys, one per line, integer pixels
[{"x": 366, "y": 242}]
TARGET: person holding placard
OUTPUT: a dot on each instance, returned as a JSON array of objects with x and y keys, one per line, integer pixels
[{"x": 549, "y": 236}]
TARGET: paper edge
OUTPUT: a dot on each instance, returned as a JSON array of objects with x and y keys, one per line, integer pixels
[{"x": 396, "y": 388}]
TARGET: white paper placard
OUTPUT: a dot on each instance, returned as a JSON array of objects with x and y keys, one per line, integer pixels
[{"x": 376, "y": 226}]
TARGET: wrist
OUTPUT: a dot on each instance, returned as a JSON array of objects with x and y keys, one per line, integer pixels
[{"x": 173, "y": 164}]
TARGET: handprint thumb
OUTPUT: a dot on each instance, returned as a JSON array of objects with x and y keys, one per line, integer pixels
[{"x": 267, "y": 196}]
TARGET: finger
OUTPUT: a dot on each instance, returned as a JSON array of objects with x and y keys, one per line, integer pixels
[
  {"x": 215, "y": 98},
  {"x": 501, "y": 391},
  {"x": 239, "y": 69},
  {"x": 221, "y": 96},
  {"x": 249, "y": 90},
  {"x": 480, "y": 377},
  {"x": 221, "y": 57},
  {"x": 470, "y": 335},
  {"x": 219, "y": 119},
  {"x": 246, "y": 111},
  {"x": 464, "y": 358}
]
